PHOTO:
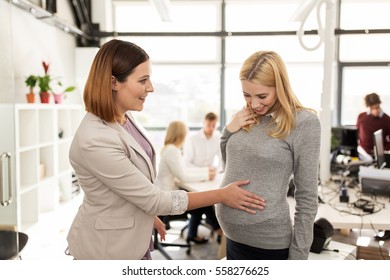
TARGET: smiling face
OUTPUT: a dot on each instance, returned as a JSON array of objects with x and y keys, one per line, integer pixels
[
  {"x": 131, "y": 94},
  {"x": 260, "y": 98}
]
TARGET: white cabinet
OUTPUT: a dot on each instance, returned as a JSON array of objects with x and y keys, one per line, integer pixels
[{"x": 43, "y": 134}]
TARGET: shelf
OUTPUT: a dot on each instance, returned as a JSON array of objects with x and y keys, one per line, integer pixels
[
  {"x": 27, "y": 149},
  {"x": 63, "y": 156},
  {"x": 46, "y": 123},
  {"x": 46, "y": 161},
  {"x": 29, "y": 207},
  {"x": 28, "y": 173},
  {"x": 27, "y": 120},
  {"x": 48, "y": 195},
  {"x": 27, "y": 188},
  {"x": 43, "y": 171}
]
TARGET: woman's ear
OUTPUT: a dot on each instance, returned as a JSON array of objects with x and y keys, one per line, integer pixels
[{"x": 113, "y": 83}]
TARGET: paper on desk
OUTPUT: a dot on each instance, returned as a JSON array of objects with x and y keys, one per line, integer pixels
[{"x": 374, "y": 173}]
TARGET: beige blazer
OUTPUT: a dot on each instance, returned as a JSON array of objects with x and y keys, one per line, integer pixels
[{"x": 115, "y": 220}]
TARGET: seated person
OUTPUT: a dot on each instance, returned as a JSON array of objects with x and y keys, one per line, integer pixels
[
  {"x": 172, "y": 168},
  {"x": 202, "y": 150},
  {"x": 369, "y": 122}
]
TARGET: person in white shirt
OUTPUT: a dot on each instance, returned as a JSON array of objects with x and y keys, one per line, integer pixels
[
  {"x": 202, "y": 149},
  {"x": 173, "y": 170}
]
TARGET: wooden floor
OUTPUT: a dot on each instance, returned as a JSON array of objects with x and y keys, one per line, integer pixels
[{"x": 373, "y": 249}]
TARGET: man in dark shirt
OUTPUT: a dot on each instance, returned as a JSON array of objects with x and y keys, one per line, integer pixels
[{"x": 369, "y": 122}]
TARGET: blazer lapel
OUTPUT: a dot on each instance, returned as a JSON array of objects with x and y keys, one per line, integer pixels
[{"x": 134, "y": 144}]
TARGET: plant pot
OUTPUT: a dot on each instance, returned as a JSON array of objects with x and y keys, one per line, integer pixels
[
  {"x": 45, "y": 97},
  {"x": 30, "y": 97},
  {"x": 58, "y": 98}
]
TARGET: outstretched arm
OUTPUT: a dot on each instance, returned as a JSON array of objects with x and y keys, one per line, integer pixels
[{"x": 232, "y": 195}]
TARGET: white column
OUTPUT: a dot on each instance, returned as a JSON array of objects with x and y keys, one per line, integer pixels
[{"x": 328, "y": 87}]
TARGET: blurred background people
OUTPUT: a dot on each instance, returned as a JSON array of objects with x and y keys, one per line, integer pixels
[
  {"x": 202, "y": 149},
  {"x": 370, "y": 121},
  {"x": 173, "y": 171}
]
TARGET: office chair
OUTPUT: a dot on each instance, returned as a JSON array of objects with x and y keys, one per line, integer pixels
[
  {"x": 8, "y": 241},
  {"x": 160, "y": 245}
]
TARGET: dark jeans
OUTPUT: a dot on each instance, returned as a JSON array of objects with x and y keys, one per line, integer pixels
[
  {"x": 196, "y": 218},
  {"x": 238, "y": 251}
]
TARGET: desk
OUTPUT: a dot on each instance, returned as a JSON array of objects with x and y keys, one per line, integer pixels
[
  {"x": 343, "y": 215},
  {"x": 202, "y": 186}
]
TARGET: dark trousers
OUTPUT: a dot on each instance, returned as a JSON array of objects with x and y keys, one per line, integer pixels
[
  {"x": 196, "y": 218},
  {"x": 238, "y": 251}
]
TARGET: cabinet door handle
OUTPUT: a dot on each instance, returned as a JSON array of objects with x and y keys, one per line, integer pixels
[{"x": 3, "y": 201}]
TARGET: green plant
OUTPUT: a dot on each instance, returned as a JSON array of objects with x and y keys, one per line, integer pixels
[
  {"x": 44, "y": 83},
  {"x": 31, "y": 81}
]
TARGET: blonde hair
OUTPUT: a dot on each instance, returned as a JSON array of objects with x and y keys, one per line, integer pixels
[
  {"x": 268, "y": 69},
  {"x": 176, "y": 133}
]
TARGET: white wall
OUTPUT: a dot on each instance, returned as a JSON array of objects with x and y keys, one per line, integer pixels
[
  {"x": 6, "y": 76},
  {"x": 33, "y": 41}
]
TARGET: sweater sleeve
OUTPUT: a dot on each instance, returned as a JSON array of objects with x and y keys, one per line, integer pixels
[
  {"x": 306, "y": 149},
  {"x": 224, "y": 139}
]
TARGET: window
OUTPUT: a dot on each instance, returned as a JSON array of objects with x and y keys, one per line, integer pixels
[
  {"x": 186, "y": 16},
  {"x": 372, "y": 47},
  {"x": 266, "y": 15},
  {"x": 357, "y": 83},
  {"x": 182, "y": 92},
  {"x": 187, "y": 70},
  {"x": 358, "y": 14}
]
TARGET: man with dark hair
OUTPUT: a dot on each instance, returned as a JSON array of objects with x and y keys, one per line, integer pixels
[
  {"x": 202, "y": 150},
  {"x": 369, "y": 122}
]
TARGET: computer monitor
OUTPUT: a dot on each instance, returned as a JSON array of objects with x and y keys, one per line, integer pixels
[
  {"x": 345, "y": 140},
  {"x": 378, "y": 149}
]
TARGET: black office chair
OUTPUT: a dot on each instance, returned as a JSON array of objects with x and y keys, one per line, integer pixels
[
  {"x": 8, "y": 241},
  {"x": 160, "y": 245}
]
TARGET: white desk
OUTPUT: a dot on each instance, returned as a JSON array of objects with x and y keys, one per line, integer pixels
[
  {"x": 202, "y": 186},
  {"x": 343, "y": 215}
]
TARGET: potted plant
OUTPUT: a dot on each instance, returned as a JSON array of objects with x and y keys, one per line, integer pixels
[
  {"x": 60, "y": 93},
  {"x": 31, "y": 81},
  {"x": 44, "y": 84}
]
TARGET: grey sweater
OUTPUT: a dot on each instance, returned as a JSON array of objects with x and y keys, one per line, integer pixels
[{"x": 269, "y": 163}]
